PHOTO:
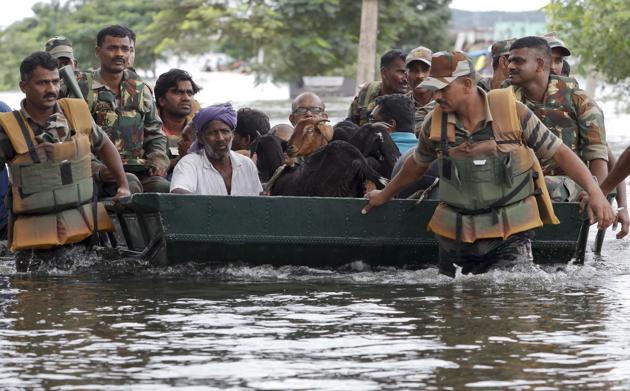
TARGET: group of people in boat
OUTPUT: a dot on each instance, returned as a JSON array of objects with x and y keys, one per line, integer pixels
[{"x": 502, "y": 147}]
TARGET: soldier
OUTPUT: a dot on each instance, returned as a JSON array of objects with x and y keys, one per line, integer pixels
[
  {"x": 489, "y": 208},
  {"x": 124, "y": 108},
  {"x": 500, "y": 52},
  {"x": 174, "y": 92},
  {"x": 564, "y": 108},
  {"x": 47, "y": 145},
  {"x": 559, "y": 52},
  {"x": 418, "y": 63},
  {"x": 393, "y": 81},
  {"x": 61, "y": 49}
]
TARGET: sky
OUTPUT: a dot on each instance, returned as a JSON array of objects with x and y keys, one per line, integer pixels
[{"x": 17, "y": 10}]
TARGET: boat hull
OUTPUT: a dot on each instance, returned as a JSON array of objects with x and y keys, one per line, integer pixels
[{"x": 318, "y": 232}]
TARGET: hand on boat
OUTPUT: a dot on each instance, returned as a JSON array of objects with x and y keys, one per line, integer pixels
[
  {"x": 122, "y": 192},
  {"x": 623, "y": 218},
  {"x": 375, "y": 198},
  {"x": 599, "y": 211}
]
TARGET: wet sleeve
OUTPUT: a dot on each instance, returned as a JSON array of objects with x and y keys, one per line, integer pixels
[
  {"x": 154, "y": 137},
  {"x": 425, "y": 153},
  {"x": 537, "y": 136},
  {"x": 591, "y": 143}
]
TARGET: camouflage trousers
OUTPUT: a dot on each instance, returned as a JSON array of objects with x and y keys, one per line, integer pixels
[
  {"x": 485, "y": 254},
  {"x": 562, "y": 188}
]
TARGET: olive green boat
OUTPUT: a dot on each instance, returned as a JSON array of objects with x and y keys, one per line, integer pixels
[{"x": 167, "y": 229}]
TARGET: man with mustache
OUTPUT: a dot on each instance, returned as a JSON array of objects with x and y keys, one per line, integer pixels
[
  {"x": 563, "y": 107},
  {"x": 174, "y": 98},
  {"x": 393, "y": 81},
  {"x": 418, "y": 63},
  {"x": 491, "y": 189},
  {"x": 123, "y": 106},
  {"x": 211, "y": 167},
  {"x": 48, "y": 146}
]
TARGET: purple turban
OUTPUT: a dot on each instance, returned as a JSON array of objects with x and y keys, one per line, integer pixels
[{"x": 222, "y": 112}]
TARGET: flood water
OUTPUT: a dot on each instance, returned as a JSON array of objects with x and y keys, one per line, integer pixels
[{"x": 124, "y": 326}]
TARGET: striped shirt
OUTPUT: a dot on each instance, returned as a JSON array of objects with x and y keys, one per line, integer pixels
[{"x": 535, "y": 134}]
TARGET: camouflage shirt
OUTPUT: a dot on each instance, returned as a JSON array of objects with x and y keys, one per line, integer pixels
[
  {"x": 535, "y": 134},
  {"x": 55, "y": 130},
  {"x": 363, "y": 103},
  {"x": 571, "y": 115},
  {"x": 485, "y": 83},
  {"x": 421, "y": 112},
  {"x": 129, "y": 118}
]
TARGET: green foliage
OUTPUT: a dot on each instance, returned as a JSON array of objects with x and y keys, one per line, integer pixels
[
  {"x": 596, "y": 31},
  {"x": 291, "y": 38}
]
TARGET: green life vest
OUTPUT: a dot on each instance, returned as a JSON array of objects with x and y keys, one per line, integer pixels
[
  {"x": 489, "y": 187},
  {"x": 51, "y": 191}
]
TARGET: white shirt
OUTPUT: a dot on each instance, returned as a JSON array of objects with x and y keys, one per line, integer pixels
[{"x": 196, "y": 174}]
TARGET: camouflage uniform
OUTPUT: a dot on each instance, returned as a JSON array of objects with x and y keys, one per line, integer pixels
[
  {"x": 481, "y": 254},
  {"x": 421, "y": 112},
  {"x": 130, "y": 121},
  {"x": 363, "y": 103},
  {"x": 575, "y": 118},
  {"x": 485, "y": 83}
]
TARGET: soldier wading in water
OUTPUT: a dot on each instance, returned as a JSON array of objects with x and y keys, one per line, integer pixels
[{"x": 477, "y": 137}]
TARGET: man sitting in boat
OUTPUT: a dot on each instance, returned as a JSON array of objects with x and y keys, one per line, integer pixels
[
  {"x": 211, "y": 167},
  {"x": 393, "y": 81},
  {"x": 174, "y": 99},
  {"x": 61, "y": 49},
  {"x": 307, "y": 105},
  {"x": 282, "y": 131},
  {"x": 397, "y": 112},
  {"x": 492, "y": 191},
  {"x": 418, "y": 63},
  {"x": 500, "y": 51},
  {"x": 251, "y": 124},
  {"x": 47, "y": 145}
]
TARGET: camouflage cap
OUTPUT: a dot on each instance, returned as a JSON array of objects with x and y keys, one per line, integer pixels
[
  {"x": 60, "y": 47},
  {"x": 419, "y": 54},
  {"x": 446, "y": 67},
  {"x": 501, "y": 48},
  {"x": 555, "y": 42}
]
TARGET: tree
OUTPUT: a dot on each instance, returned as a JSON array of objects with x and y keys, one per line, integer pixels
[{"x": 596, "y": 32}]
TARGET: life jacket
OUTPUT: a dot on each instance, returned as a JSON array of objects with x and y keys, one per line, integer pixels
[
  {"x": 123, "y": 122},
  {"x": 365, "y": 100},
  {"x": 51, "y": 198},
  {"x": 558, "y": 113},
  {"x": 491, "y": 188}
]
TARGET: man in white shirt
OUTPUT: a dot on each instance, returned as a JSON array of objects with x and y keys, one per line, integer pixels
[{"x": 210, "y": 167}]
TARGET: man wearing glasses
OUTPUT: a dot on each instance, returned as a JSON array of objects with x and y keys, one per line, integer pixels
[{"x": 307, "y": 105}]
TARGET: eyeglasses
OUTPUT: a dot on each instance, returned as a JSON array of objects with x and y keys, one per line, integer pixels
[{"x": 304, "y": 110}]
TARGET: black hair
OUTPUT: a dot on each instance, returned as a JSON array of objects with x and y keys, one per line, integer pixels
[
  {"x": 388, "y": 58},
  {"x": 169, "y": 80},
  {"x": 34, "y": 60},
  {"x": 533, "y": 42},
  {"x": 398, "y": 107},
  {"x": 495, "y": 61},
  {"x": 132, "y": 35},
  {"x": 251, "y": 122},
  {"x": 114, "y": 31},
  {"x": 566, "y": 69}
]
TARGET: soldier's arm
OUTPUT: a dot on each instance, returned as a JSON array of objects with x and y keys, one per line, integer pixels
[
  {"x": 591, "y": 143},
  {"x": 103, "y": 147},
  {"x": 619, "y": 172},
  {"x": 413, "y": 169},
  {"x": 154, "y": 138}
]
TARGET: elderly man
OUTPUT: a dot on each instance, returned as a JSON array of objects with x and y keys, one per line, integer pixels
[
  {"x": 61, "y": 49},
  {"x": 211, "y": 167},
  {"x": 393, "y": 81},
  {"x": 307, "y": 105},
  {"x": 488, "y": 209},
  {"x": 418, "y": 66}
]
